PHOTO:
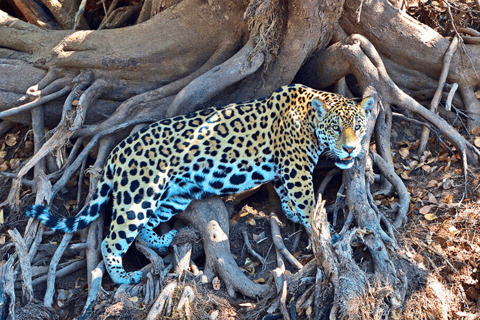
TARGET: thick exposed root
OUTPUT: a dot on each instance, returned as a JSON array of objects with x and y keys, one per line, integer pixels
[{"x": 210, "y": 217}]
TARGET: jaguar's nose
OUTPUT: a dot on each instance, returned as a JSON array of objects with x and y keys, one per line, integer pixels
[{"x": 348, "y": 149}]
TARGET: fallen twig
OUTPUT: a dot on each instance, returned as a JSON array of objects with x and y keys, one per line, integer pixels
[
  {"x": 250, "y": 249},
  {"x": 72, "y": 267},
  {"x": 182, "y": 258}
]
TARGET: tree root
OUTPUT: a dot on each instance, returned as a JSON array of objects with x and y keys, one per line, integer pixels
[
  {"x": 278, "y": 241},
  {"x": 210, "y": 218},
  {"x": 391, "y": 176},
  {"x": 447, "y": 59},
  {"x": 205, "y": 87},
  {"x": 96, "y": 283},
  {"x": 164, "y": 300},
  {"x": 48, "y": 300}
]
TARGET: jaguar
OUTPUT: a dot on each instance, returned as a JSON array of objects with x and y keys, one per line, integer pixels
[{"x": 156, "y": 172}]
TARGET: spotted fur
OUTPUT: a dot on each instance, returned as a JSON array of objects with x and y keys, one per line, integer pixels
[{"x": 155, "y": 173}]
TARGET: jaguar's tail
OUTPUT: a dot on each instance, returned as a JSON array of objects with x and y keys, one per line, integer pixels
[{"x": 89, "y": 212}]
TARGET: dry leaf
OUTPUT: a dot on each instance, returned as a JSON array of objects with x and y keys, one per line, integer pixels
[
  {"x": 261, "y": 280},
  {"x": 2, "y": 221},
  {"x": 251, "y": 221},
  {"x": 453, "y": 231},
  {"x": 405, "y": 175},
  {"x": 477, "y": 142},
  {"x": 475, "y": 130},
  {"x": 404, "y": 152},
  {"x": 430, "y": 216},
  {"x": 11, "y": 139},
  {"x": 425, "y": 209},
  {"x": 4, "y": 166},
  {"x": 448, "y": 199},
  {"x": 413, "y": 164},
  {"x": 418, "y": 257},
  {"x": 133, "y": 299},
  {"x": 431, "y": 198},
  {"x": 243, "y": 213},
  {"x": 443, "y": 157},
  {"x": 448, "y": 164},
  {"x": 247, "y": 304},
  {"x": 432, "y": 183},
  {"x": 216, "y": 284},
  {"x": 427, "y": 168}
]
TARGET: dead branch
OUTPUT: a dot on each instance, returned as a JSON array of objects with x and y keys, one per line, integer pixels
[
  {"x": 34, "y": 104},
  {"x": 182, "y": 258},
  {"x": 7, "y": 292},
  {"x": 185, "y": 300}
]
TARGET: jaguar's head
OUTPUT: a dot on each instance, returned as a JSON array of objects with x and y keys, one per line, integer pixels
[{"x": 342, "y": 123}]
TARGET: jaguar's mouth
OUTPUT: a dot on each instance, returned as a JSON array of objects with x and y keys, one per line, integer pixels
[{"x": 344, "y": 163}]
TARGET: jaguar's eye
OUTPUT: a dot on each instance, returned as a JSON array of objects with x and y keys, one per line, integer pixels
[
  {"x": 357, "y": 127},
  {"x": 336, "y": 127}
]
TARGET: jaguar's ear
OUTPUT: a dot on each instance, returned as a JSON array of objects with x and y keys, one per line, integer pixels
[
  {"x": 319, "y": 107},
  {"x": 367, "y": 104}
]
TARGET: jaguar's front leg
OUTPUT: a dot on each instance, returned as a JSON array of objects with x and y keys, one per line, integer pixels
[
  {"x": 300, "y": 197},
  {"x": 287, "y": 205}
]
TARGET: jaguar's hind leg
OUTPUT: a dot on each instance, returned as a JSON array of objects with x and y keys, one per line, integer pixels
[
  {"x": 158, "y": 243},
  {"x": 166, "y": 210},
  {"x": 125, "y": 227}
]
